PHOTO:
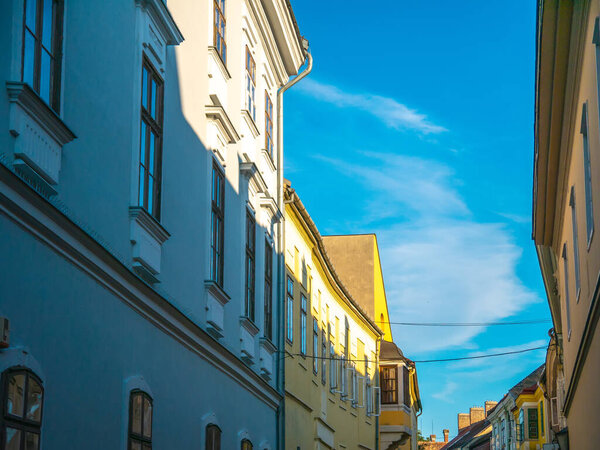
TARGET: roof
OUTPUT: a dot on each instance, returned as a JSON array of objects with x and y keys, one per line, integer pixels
[
  {"x": 467, "y": 434},
  {"x": 306, "y": 221},
  {"x": 389, "y": 350},
  {"x": 530, "y": 380}
]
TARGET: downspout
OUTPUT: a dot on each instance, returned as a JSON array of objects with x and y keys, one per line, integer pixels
[{"x": 281, "y": 248}]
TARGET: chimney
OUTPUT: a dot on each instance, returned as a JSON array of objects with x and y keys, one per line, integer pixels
[
  {"x": 432, "y": 437},
  {"x": 446, "y": 432},
  {"x": 488, "y": 407},
  {"x": 477, "y": 414},
  {"x": 464, "y": 420}
]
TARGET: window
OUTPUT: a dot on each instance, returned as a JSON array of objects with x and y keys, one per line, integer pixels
[
  {"x": 566, "y": 283},
  {"x": 542, "y": 417},
  {"x": 323, "y": 356},
  {"x": 23, "y": 401},
  {"x": 346, "y": 339},
  {"x": 269, "y": 125},
  {"x": 140, "y": 421},
  {"x": 521, "y": 427},
  {"x": 250, "y": 267},
  {"x": 217, "y": 224},
  {"x": 290, "y": 310},
  {"x": 575, "y": 243},
  {"x": 388, "y": 376},
  {"x": 532, "y": 423},
  {"x": 42, "y": 49},
  {"x": 246, "y": 445},
  {"x": 303, "y": 308},
  {"x": 250, "y": 83},
  {"x": 150, "y": 140},
  {"x": 406, "y": 386},
  {"x": 315, "y": 346},
  {"x": 332, "y": 361},
  {"x": 268, "y": 290},
  {"x": 213, "y": 437},
  {"x": 587, "y": 172},
  {"x": 219, "y": 29}
]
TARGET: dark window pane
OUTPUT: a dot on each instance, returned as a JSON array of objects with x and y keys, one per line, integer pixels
[
  {"x": 34, "y": 401},
  {"x": 147, "y": 418},
  {"x": 145, "y": 88},
  {"x": 47, "y": 23},
  {"x": 32, "y": 441},
  {"x": 151, "y": 163},
  {"x": 136, "y": 413},
  {"x": 147, "y": 447},
  {"x": 45, "y": 76},
  {"x": 135, "y": 445},
  {"x": 150, "y": 194},
  {"x": 28, "y": 59},
  {"x": 13, "y": 439},
  {"x": 153, "y": 100},
  {"x": 142, "y": 186},
  {"x": 30, "y": 14},
  {"x": 143, "y": 144},
  {"x": 16, "y": 395}
]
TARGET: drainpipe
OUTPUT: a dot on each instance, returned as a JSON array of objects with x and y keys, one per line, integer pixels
[{"x": 280, "y": 246}]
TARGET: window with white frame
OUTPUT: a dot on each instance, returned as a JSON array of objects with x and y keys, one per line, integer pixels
[
  {"x": 587, "y": 172},
  {"x": 290, "y": 310},
  {"x": 250, "y": 84},
  {"x": 219, "y": 29},
  {"x": 303, "y": 314},
  {"x": 315, "y": 346},
  {"x": 269, "y": 124},
  {"x": 217, "y": 224},
  {"x": 575, "y": 243},
  {"x": 566, "y": 287}
]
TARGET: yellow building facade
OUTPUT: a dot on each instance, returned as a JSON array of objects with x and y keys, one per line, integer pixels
[
  {"x": 566, "y": 209},
  {"x": 331, "y": 392},
  {"x": 530, "y": 415},
  {"x": 400, "y": 400}
]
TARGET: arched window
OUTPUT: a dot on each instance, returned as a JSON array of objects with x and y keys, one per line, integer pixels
[
  {"x": 23, "y": 401},
  {"x": 213, "y": 437},
  {"x": 140, "y": 421},
  {"x": 246, "y": 445}
]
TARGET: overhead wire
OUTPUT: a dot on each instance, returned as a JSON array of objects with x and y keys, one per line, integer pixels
[{"x": 464, "y": 324}]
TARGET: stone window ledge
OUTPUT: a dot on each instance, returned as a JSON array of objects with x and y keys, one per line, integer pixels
[{"x": 147, "y": 236}]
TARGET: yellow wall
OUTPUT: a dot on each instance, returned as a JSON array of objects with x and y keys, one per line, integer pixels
[
  {"x": 311, "y": 409},
  {"x": 381, "y": 308},
  {"x": 532, "y": 401}
]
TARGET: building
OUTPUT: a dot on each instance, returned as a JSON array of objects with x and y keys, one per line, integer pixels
[
  {"x": 565, "y": 201},
  {"x": 331, "y": 391},
  {"x": 474, "y": 429},
  {"x": 505, "y": 432},
  {"x": 432, "y": 443},
  {"x": 530, "y": 416},
  {"x": 140, "y": 215},
  {"x": 400, "y": 398}
]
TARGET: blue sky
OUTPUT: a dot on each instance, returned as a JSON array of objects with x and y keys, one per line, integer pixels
[{"x": 417, "y": 124}]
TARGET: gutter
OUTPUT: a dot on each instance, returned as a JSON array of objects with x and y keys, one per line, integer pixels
[{"x": 280, "y": 429}]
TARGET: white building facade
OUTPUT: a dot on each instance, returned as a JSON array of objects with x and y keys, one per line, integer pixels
[{"x": 140, "y": 221}]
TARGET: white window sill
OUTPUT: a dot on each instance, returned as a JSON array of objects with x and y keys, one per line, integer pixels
[
  {"x": 147, "y": 236},
  {"x": 39, "y": 135}
]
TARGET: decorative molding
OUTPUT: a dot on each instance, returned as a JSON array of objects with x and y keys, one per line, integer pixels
[
  {"x": 22, "y": 205},
  {"x": 21, "y": 357},
  {"x": 250, "y": 122},
  {"x": 217, "y": 113},
  {"x": 147, "y": 237},
  {"x": 269, "y": 160},
  {"x": 214, "y": 53},
  {"x": 269, "y": 204},
  {"x": 217, "y": 292},
  {"x": 249, "y": 325},
  {"x": 39, "y": 135},
  {"x": 256, "y": 182},
  {"x": 160, "y": 14},
  {"x": 22, "y": 95}
]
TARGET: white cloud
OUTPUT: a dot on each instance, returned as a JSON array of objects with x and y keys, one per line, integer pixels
[
  {"x": 440, "y": 265},
  {"x": 446, "y": 394},
  {"x": 388, "y": 110}
]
